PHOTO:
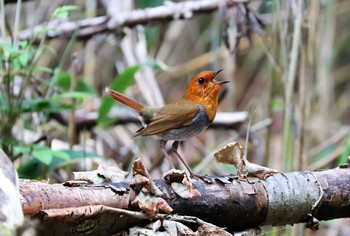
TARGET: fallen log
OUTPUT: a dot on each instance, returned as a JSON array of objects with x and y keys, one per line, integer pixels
[{"x": 226, "y": 201}]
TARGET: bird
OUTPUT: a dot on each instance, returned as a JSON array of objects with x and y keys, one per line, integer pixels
[{"x": 181, "y": 119}]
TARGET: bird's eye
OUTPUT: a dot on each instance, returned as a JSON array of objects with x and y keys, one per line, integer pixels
[{"x": 201, "y": 80}]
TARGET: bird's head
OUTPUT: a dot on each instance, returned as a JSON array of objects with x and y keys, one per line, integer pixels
[{"x": 204, "y": 89}]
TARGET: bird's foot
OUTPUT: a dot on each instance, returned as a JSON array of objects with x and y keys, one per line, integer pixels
[{"x": 244, "y": 178}]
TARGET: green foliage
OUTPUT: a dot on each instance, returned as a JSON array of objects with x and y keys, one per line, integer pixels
[
  {"x": 45, "y": 160},
  {"x": 21, "y": 96},
  {"x": 63, "y": 11},
  {"x": 64, "y": 81}
]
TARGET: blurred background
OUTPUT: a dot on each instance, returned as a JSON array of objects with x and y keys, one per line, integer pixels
[{"x": 288, "y": 63}]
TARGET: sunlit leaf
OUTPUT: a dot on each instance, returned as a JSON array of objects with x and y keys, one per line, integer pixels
[
  {"x": 43, "y": 155},
  {"x": 277, "y": 105},
  {"x": 42, "y": 69},
  {"x": 62, "y": 12},
  {"x": 77, "y": 95}
]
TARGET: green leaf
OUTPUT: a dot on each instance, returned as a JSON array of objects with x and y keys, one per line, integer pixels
[
  {"x": 277, "y": 105},
  {"x": 31, "y": 169},
  {"x": 25, "y": 56},
  {"x": 21, "y": 149},
  {"x": 77, "y": 95},
  {"x": 64, "y": 157},
  {"x": 63, "y": 81},
  {"x": 62, "y": 12},
  {"x": 44, "y": 105},
  {"x": 53, "y": 159},
  {"x": 44, "y": 155},
  {"x": 42, "y": 69}
]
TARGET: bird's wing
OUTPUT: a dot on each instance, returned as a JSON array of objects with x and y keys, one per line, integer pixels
[{"x": 172, "y": 116}]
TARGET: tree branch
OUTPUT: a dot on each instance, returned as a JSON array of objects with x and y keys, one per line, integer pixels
[
  {"x": 285, "y": 198},
  {"x": 88, "y": 27}
]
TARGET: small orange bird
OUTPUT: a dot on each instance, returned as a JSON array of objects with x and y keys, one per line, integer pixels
[{"x": 184, "y": 118}]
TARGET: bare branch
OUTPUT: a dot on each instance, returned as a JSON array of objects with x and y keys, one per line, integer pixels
[{"x": 88, "y": 27}]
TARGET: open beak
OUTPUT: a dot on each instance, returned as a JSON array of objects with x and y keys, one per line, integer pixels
[
  {"x": 222, "y": 82},
  {"x": 219, "y": 82},
  {"x": 216, "y": 73}
]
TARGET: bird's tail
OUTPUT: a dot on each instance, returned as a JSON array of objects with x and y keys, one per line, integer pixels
[{"x": 124, "y": 100}]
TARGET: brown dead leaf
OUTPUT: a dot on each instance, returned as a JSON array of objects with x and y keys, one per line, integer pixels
[
  {"x": 176, "y": 228},
  {"x": 141, "y": 179},
  {"x": 233, "y": 154},
  {"x": 174, "y": 175},
  {"x": 101, "y": 175},
  {"x": 162, "y": 228},
  {"x": 111, "y": 173},
  {"x": 207, "y": 229},
  {"x": 180, "y": 184},
  {"x": 139, "y": 169},
  {"x": 151, "y": 205}
]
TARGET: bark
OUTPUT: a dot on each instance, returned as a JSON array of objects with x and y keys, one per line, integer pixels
[{"x": 285, "y": 198}]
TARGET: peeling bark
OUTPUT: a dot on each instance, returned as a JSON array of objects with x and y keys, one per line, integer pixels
[{"x": 228, "y": 202}]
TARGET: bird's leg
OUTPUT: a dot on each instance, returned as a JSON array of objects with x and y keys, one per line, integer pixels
[
  {"x": 192, "y": 175},
  {"x": 175, "y": 147},
  {"x": 162, "y": 147}
]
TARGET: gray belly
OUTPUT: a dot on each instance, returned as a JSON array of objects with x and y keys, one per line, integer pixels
[{"x": 199, "y": 124}]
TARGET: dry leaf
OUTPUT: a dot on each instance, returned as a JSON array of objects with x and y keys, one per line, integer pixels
[
  {"x": 112, "y": 173},
  {"x": 233, "y": 154},
  {"x": 174, "y": 175},
  {"x": 162, "y": 228},
  {"x": 181, "y": 184},
  {"x": 139, "y": 168},
  {"x": 151, "y": 205},
  {"x": 102, "y": 174},
  {"x": 176, "y": 228},
  {"x": 208, "y": 229},
  {"x": 141, "y": 179}
]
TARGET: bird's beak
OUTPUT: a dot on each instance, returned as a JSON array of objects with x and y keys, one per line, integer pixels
[
  {"x": 223, "y": 82},
  {"x": 217, "y": 72},
  {"x": 219, "y": 82}
]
